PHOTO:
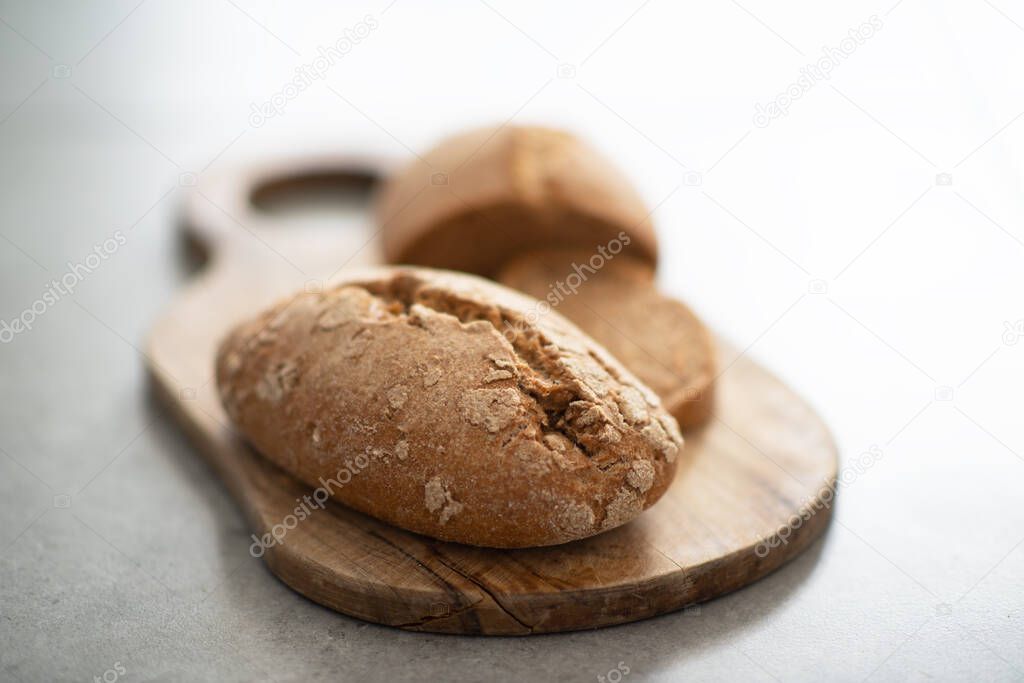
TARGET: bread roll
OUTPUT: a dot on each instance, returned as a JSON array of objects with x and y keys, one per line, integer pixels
[{"x": 444, "y": 404}]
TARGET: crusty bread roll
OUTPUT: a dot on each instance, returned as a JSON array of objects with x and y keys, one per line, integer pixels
[
  {"x": 444, "y": 404},
  {"x": 657, "y": 337},
  {"x": 484, "y": 196}
]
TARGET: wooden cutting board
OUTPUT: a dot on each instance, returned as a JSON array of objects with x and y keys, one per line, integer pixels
[{"x": 754, "y": 487}]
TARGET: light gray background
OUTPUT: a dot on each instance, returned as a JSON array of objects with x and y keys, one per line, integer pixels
[{"x": 822, "y": 242}]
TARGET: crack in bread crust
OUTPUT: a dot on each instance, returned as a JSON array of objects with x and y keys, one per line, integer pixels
[{"x": 568, "y": 408}]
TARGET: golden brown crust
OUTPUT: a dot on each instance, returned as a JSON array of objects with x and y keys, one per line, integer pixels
[
  {"x": 657, "y": 337},
  {"x": 435, "y": 402},
  {"x": 481, "y": 197}
]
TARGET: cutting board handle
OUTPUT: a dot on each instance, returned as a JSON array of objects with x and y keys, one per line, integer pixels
[{"x": 223, "y": 204}]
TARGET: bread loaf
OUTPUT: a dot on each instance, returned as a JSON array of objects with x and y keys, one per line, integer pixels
[{"x": 442, "y": 403}]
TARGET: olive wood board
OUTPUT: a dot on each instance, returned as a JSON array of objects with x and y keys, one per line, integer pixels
[{"x": 754, "y": 486}]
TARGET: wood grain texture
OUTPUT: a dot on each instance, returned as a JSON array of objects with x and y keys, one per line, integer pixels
[{"x": 764, "y": 464}]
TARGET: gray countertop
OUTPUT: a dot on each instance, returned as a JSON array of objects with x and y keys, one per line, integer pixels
[{"x": 866, "y": 245}]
